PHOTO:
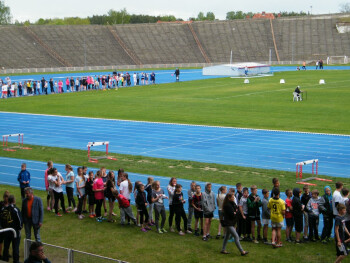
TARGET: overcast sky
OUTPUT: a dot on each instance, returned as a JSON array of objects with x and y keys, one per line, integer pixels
[{"x": 34, "y": 9}]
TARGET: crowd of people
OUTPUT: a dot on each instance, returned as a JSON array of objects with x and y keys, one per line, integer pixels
[
  {"x": 243, "y": 214},
  {"x": 11, "y": 88}
]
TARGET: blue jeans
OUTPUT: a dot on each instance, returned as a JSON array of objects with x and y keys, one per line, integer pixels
[{"x": 28, "y": 230}]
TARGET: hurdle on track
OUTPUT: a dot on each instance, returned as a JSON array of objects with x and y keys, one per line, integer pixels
[
  {"x": 5, "y": 141},
  {"x": 299, "y": 172},
  {"x": 94, "y": 159}
]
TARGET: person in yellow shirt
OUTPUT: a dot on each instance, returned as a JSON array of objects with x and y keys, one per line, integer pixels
[{"x": 277, "y": 207}]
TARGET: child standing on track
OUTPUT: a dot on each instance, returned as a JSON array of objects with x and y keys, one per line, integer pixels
[
  {"x": 198, "y": 211},
  {"x": 23, "y": 179},
  {"x": 277, "y": 208}
]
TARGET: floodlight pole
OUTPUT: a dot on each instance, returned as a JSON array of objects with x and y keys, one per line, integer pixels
[{"x": 231, "y": 58}]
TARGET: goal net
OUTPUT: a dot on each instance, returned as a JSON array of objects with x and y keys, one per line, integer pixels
[{"x": 337, "y": 60}]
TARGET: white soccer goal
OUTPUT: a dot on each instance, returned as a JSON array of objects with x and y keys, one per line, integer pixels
[{"x": 337, "y": 60}]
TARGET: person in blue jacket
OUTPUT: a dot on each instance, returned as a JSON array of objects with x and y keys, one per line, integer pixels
[{"x": 23, "y": 179}]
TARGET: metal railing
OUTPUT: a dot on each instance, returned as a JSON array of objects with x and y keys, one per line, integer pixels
[{"x": 59, "y": 254}]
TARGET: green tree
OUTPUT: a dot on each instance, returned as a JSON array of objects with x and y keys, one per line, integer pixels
[
  {"x": 5, "y": 14},
  {"x": 345, "y": 7},
  {"x": 201, "y": 16},
  {"x": 118, "y": 17},
  {"x": 210, "y": 16}
]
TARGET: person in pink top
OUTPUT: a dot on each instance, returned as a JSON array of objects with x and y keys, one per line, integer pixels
[
  {"x": 60, "y": 85},
  {"x": 49, "y": 193},
  {"x": 98, "y": 188},
  {"x": 67, "y": 84}
]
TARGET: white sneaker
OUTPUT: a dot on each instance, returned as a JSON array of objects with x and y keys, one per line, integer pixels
[
  {"x": 181, "y": 233},
  {"x": 188, "y": 232},
  {"x": 172, "y": 229},
  {"x": 74, "y": 210},
  {"x": 80, "y": 217}
]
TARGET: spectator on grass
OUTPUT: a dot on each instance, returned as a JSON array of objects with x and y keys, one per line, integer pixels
[
  {"x": 171, "y": 190},
  {"x": 104, "y": 179},
  {"x": 208, "y": 210},
  {"x": 148, "y": 189},
  {"x": 126, "y": 188},
  {"x": 297, "y": 214},
  {"x": 10, "y": 217},
  {"x": 70, "y": 187},
  {"x": 243, "y": 207},
  {"x": 136, "y": 189},
  {"x": 32, "y": 214},
  {"x": 219, "y": 201},
  {"x": 198, "y": 210},
  {"x": 314, "y": 215},
  {"x": 3, "y": 205},
  {"x": 90, "y": 193},
  {"x": 254, "y": 204},
  {"x": 337, "y": 198},
  {"x": 178, "y": 203},
  {"x": 238, "y": 196},
  {"x": 57, "y": 180},
  {"x": 304, "y": 200},
  {"x": 321, "y": 64},
  {"x": 266, "y": 215},
  {"x": 36, "y": 254},
  {"x": 80, "y": 184},
  {"x": 339, "y": 233},
  {"x": 326, "y": 209},
  {"x": 289, "y": 215},
  {"x": 141, "y": 202},
  {"x": 159, "y": 208},
  {"x": 23, "y": 179},
  {"x": 98, "y": 188},
  {"x": 190, "y": 194},
  {"x": 110, "y": 187},
  {"x": 230, "y": 211},
  {"x": 277, "y": 208},
  {"x": 124, "y": 206}
]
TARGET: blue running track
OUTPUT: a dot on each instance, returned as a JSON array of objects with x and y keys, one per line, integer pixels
[{"x": 232, "y": 146}]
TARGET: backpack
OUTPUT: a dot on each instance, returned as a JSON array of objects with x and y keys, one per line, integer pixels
[{"x": 6, "y": 217}]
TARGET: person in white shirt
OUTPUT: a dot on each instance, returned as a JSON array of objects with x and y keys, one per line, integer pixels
[
  {"x": 337, "y": 197},
  {"x": 57, "y": 180},
  {"x": 171, "y": 190},
  {"x": 125, "y": 189}
]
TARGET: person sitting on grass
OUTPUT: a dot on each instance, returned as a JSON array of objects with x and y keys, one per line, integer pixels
[
  {"x": 277, "y": 208},
  {"x": 339, "y": 234},
  {"x": 230, "y": 217},
  {"x": 37, "y": 255}
]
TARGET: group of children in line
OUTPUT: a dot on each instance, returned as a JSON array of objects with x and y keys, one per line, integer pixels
[
  {"x": 11, "y": 88},
  {"x": 242, "y": 214}
]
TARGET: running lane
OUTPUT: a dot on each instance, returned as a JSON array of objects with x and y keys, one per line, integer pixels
[{"x": 233, "y": 146}]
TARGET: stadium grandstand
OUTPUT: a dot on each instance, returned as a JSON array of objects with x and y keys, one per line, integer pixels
[{"x": 309, "y": 38}]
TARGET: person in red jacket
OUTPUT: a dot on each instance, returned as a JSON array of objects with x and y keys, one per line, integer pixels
[{"x": 124, "y": 206}]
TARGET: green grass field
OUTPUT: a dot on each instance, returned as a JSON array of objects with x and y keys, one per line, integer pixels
[
  {"x": 264, "y": 103},
  {"x": 224, "y": 102}
]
